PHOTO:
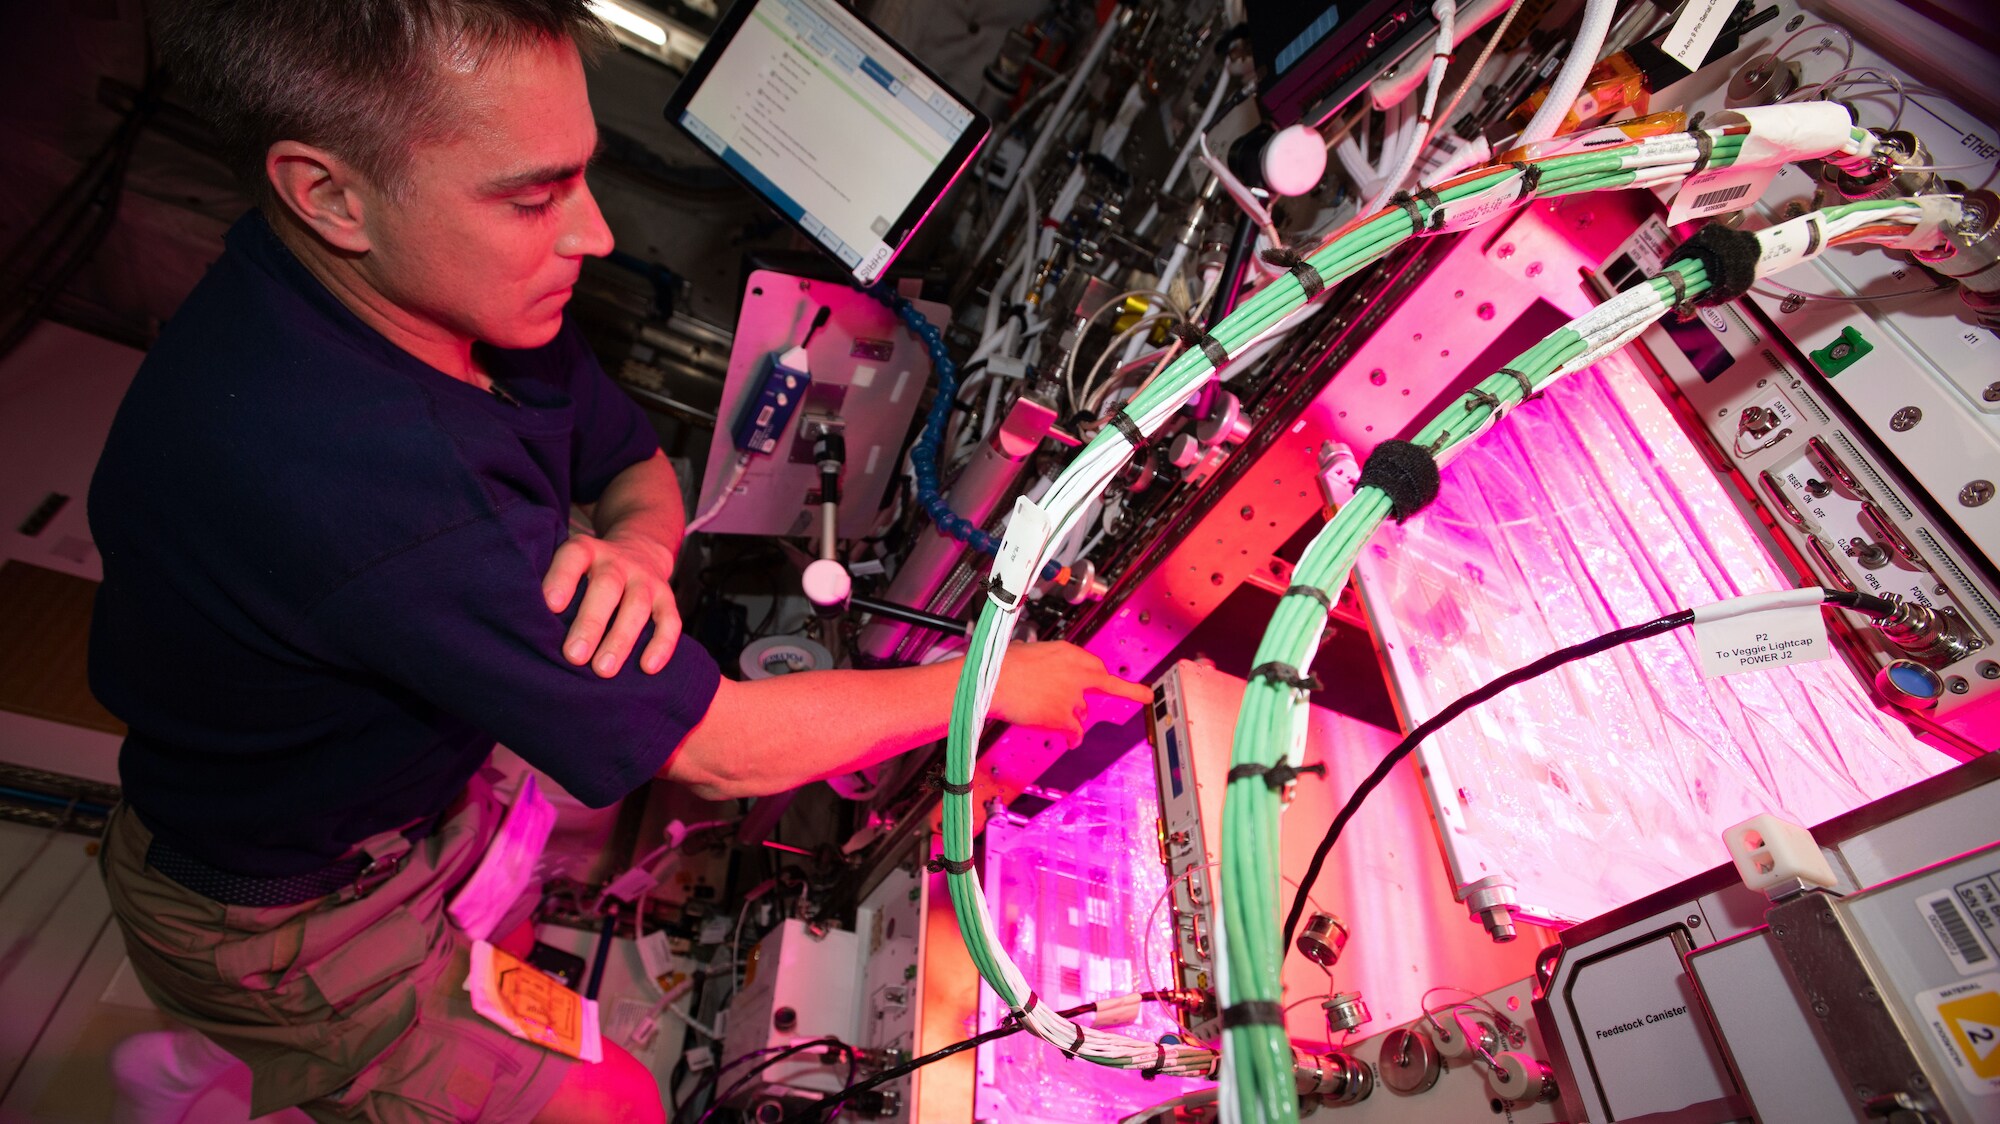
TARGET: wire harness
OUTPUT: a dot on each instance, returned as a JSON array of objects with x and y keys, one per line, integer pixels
[{"x": 1259, "y": 1080}]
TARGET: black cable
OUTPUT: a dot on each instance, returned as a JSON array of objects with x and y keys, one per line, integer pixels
[
  {"x": 750, "y": 1075},
  {"x": 1550, "y": 662},
  {"x": 833, "y": 1101},
  {"x": 950, "y": 626},
  {"x": 1859, "y": 602}
]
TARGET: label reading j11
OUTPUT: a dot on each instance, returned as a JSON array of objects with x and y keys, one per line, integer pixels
[
  {"x": 1718, "y": 191},
  {"x": 1760, "y": 641}
]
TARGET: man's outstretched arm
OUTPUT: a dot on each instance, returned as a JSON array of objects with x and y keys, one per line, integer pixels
[
  {"x": 630, "y": 563},
  {"x": 772, "y": 735}
]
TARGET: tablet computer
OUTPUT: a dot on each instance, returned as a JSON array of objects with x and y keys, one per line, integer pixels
[{"x": 831, "y": 123}]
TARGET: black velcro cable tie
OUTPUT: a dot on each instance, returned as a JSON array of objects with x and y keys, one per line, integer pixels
[
  {"x": 1404, "y": 200},
  {"x": 1286, "y": 675},
  {"x": 1407, "y": 473},
  {"x": 1026, "y": 1008},
  {"x": 1253, "y": 1012},
  {"x": 1077, "y": 1045},
  {"x": 1312, "y": 591},
  {"x": 1126, "y": 427},
  {"x": 1159, "y": 1062},
  {"x": 1430, "y": 199},
  {"x": 1302, "y": 271},
  {"x": 1276, "y": 776},
  {"x": 1728, "y": 258},
  {"x": 1480, "y": 398},
  {"x": 1528, "y": 391},
  {"x": 1531, "y": 178},
  {"x": 1704, "y": 147},
  {"x": 992, "y": 585},
  {"x": 1209, "y": 345},
  {"x": 935, "y": 778},
  {"x": 942, "y": 865}
]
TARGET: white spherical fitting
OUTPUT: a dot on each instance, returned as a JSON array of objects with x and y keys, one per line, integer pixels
[
  {"x": 1293, "y": 160},
  {"x": 827, "y": 583}
]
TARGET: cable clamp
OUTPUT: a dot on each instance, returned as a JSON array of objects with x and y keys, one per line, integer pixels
[
  {"x": 1531, "y": 178},
  {"x": 935, "y": 779},
  {"x": 1302, "y": 271},
  {"x": 1253, "y": 1012},
  {"x": 942, "y": 865},
  {"x": 1126, "y": 427},
  {"x": 1704, "y": 147},
  {"x": 1159, "y": 1062},
  {"x": 1285, "y": 675},
  {"x": 1312, "y": 591},
  {"x": 1682, "y": 309},
  {"x": 1528, "y": 391},
  {"x": 1277, "y": 777},
  {"x": 1194, "y": 337}
]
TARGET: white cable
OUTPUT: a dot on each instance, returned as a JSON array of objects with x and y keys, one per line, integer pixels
[
  {"x": 1078, "y": 79},
  {"x": 1447, "y": 14},
  {"x": 735, "y": 481},
  {"x": 1251, "y": 205},
  {"x": 1186, "y": 153},
  {"x": 1575, "y": 69}
]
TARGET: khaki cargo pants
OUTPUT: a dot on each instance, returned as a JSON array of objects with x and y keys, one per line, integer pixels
[{"x": 349, "y": 1008}]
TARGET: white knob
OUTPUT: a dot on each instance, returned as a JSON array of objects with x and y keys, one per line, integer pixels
[
  {"x": 1293, "y": 160},
  {"x": 827, "y": 584},
  {"x": 1522, "y": 1080}
]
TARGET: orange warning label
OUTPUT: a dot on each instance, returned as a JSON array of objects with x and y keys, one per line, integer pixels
[
  {"x": 1975, "y": 1024},
  {"x": 1964, "y": 1023}
]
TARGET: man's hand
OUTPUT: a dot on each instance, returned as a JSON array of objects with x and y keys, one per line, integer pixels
[
  {"x": 1048, "y": 686},
  {"x": 628, "y": 586}
]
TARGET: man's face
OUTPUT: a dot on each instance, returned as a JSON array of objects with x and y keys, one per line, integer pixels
[{"x": 490, "y": 228}]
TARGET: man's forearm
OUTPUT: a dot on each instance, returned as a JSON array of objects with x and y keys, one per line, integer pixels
[
  {"x": 773, "y": 735},
  {"x": 644, "y": 499}
]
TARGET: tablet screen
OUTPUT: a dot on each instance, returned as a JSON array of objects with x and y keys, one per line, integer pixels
[{"x": 835, "y": 126}]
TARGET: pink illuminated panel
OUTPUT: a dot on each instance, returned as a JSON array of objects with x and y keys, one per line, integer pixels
[
  {"x": 1071, "y": 890},
  {"x": 1586, "y": 510}
]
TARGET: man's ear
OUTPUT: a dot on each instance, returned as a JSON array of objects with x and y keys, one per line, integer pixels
[{"x": 322, "y": 191}]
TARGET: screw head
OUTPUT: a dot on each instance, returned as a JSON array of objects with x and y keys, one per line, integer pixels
[
  {"x": 1378, "y": 376},
  {"x": 1486, "y": 313},
  {"x": 1248, "y": 512},
  {"x": 1976, "y": 493},
  {"x": 1991, "y": 393},
  {"x": 1905, "y": 419},
  {"x": 1694, "y": 920},
  {"x": 1534, "y": 269},
  {"x": 1957, "y": 685},
  {"x": 1792, "y": 303},
  {"x": 1506, "y": 250},
  {"x": 1794, "y": 23},
  {"x": 1839, "y": 351},
  {"x": 1989, "y": 670}
]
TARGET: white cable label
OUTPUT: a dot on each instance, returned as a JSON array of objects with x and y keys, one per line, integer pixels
[
  {"x": 1718, "y": 191},
  {"x": 1014, "y": 569},
  {"x": 1790, "y": 243},
  {"x": 1481, "y": 205},
  {"x": 1760, "y": 641},
  {"x": 1695, "y": 31}
]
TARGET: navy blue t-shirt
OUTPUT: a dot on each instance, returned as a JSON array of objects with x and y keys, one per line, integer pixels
[{"x": 322, "y": 575}]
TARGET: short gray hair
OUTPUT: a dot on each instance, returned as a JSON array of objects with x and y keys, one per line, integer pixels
[{"x": 363, "y": 79}]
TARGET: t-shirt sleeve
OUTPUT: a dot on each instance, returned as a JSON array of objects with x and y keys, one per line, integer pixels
[
  {"x": 458, "y": 621},
  {"x": 612, "y": 433}
]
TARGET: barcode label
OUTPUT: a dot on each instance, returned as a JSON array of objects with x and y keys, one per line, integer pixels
[
  {"x": 1708, "y": 199},
  {"x": 1718, "y": 191},
  {"x": 1961, "y": 941}
]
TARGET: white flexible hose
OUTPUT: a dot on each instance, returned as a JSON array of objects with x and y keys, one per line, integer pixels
[
  {"x": 1569, "y": 80},
  {"x": 736, "y": 475},
  {"x": 1056, "y": 116},
  {"x": 1447, "y": 14}
]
